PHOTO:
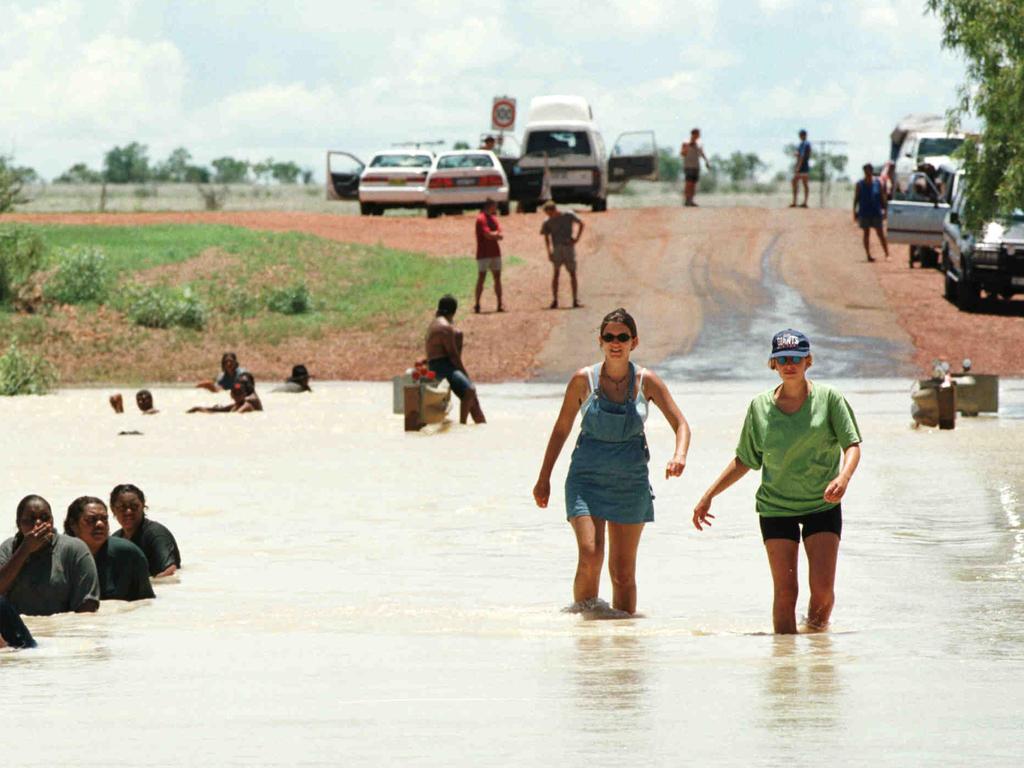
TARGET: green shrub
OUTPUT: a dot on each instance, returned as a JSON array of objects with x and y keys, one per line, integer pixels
[
  {"x": 82, "y": 276},
  {"x": 21, "y": 254},
  {"x": 294, "y": 299},
  {"x": 25, "y": 374},
  {"x": 161, "y": 306}
]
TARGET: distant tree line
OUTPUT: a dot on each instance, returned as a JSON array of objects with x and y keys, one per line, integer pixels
[{"x": 130, "y": 164}]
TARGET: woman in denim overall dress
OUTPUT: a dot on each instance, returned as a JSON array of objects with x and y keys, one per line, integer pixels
[{"x": 607, "y": 487}]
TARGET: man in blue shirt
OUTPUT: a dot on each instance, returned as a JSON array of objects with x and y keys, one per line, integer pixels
[
  {"x": 802, "y": 169},
  {"x": 870, "y": 208}
]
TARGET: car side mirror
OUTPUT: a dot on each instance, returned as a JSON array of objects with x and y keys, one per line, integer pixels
[{"x": 954, "y": 218}]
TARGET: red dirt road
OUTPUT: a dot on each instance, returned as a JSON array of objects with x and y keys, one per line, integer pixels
[{"x": 672, "y": 267}]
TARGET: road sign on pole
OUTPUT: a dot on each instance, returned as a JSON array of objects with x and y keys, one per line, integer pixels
[{"x": 503, "y": 113}]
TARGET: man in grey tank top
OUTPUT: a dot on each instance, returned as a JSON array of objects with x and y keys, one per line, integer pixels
[{"x": 560, "y": 241}]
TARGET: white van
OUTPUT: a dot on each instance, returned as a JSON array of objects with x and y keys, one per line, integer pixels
[{"x": 562, "y": 136}]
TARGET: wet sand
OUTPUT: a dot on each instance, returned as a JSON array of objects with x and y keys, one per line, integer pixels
[{"x": 355, "y": 595}]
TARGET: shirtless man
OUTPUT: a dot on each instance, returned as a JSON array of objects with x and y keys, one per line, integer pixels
[{"x": 444, "y": 356}]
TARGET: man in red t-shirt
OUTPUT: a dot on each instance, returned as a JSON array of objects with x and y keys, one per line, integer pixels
[{"x": 488, "y": 252}]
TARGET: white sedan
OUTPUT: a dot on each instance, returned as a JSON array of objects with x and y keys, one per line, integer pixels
[
  {"x": 394, "y": 179},
  {"x": 466, "y": 179}
]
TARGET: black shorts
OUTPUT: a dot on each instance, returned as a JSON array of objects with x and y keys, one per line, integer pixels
[
  {"x": 691, "y": 174},
  {"x": 830, "y": 521}
]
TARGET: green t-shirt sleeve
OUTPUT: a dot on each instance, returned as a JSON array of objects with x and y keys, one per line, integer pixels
[
  {"x": 844, "y": 423},
  {"x": 750, "y": 448},
  {"x": 163, "y": 550},
  {"x": 85, "y": 580}
]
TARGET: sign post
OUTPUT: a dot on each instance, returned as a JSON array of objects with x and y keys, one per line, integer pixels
[{"x": 503, "y": 116}]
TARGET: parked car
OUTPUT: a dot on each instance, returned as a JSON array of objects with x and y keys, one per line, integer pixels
[
  {"x": 562, "y": 137},
  {"x": 917, "y": 218},
  {"x": 992, "y": 261},
  {"x": 466, "y": 179},
  {"x": 395, "y": 178}
]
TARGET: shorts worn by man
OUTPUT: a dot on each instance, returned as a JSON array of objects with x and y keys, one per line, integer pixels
[
  {"x": 560, "y": 240},
  {"x": 444, "y": 357}
]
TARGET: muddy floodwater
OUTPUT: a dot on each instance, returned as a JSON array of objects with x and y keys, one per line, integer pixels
[{"x": 354, "y": 595}]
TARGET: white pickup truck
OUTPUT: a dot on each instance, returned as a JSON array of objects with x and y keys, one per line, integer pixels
[
  {"x": 916, "y": 216},
  {"x": 918, "y": 140}
]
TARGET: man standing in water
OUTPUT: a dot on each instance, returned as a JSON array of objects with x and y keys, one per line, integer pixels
[
  {"x": 802, "y": 169},
  {"x": 444, "y": 357},
  {"x": 488, "y": 252},
  {"x": 692, "y": 152},
  {"x": 561, "y": 244},
  {"x": 869, "y": 209}
]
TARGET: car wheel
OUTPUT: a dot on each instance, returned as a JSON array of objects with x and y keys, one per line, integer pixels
[
  {"x": 967, "y": 294},
  {"x": 949, "y": 287},
  {"x": 929, "y": 258},
  {"x": 911, "y": 257},
  {"x": 433, "y": 211},
  {"x": 503, "y": 209},
  {"x": 528, "y": 207},
  {"x": 599, "y": 205}
]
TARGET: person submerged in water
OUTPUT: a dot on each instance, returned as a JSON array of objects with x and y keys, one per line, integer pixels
[
  {"x": 128, "y": 503},
  {"x": 297, "y": 382},
  {"x": 444, "y": 358},
  {"x": 122, "y": 567},
  {"x": 143, "y": 399},
  {"x": 608, "y": 485},
  {"x": 43, "y": 572},
  {"x": 243, "y": 398},
  {"x": 796, "y": 435},
  {"x": 230, "y": 371}
]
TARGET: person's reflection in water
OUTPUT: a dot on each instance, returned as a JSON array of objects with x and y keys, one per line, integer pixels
[
  {"x": 802, "y": 685},
  {"x": 610, "y": 676}
]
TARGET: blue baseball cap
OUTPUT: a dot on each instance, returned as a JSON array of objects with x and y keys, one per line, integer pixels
[{"x": 790, "y": 343}]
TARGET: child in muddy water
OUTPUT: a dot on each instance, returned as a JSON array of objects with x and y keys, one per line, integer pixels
[
  {"x": 243, "y": 398},
  {"x": 143, "y": 399},
  {"x": 796, "y": 434}
]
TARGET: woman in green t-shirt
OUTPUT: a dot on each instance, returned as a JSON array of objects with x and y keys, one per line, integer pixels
[{"x": 795, "y": 434}]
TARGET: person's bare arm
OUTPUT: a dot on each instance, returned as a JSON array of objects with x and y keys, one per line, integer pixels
[
  {"x": 579, "y": 232},
  {"x": 170, "y": 570},
  {"x": 707, "y": 163},
  {"x": 657, "y": 392},
  {"x": 682, "y": 150},
  {"x": 209, "y": 384},
  {"x": 837, "y": 488},
  {"x": 856, "y": 199},
  {"x": 733, "y": 471},
  {"x": 547, "y": 244},
  {"x": 575, "y": 393},
  {"x": 38, "y": 538},
  {"x": 453, "y": 348},
  {"x": 211, "y": 409}
]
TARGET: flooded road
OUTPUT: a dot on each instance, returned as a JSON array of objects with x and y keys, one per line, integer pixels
[{"x": 355, "y": 595}]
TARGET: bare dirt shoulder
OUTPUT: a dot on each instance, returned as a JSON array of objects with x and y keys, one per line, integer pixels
[{"x": 675, "y": 269}]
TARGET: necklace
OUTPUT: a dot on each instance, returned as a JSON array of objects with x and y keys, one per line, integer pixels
[{"x": 616, "y": 382}]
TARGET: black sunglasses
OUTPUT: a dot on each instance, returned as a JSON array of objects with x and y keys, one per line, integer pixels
[{"x": 620, "y": 337}]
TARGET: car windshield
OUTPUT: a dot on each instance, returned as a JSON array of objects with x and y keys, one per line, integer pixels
[
  {"x": 936, "y": 147},
  {"x": 557, "y": 143},
  {"x": 401, "y": 161},
  {"x": 465, "y": 161}
]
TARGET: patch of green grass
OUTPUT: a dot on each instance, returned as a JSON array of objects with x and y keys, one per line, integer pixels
[{"x": 129, "y": 249}]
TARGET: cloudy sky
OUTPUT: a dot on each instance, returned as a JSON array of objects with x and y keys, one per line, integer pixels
[{"x": 291, "y": 79}]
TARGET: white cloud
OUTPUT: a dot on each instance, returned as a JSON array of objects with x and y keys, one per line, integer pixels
[{"x": 774, "y": 6}]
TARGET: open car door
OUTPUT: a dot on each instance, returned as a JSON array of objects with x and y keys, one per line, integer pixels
[
  {"x": 634, "y": 156},
  {"x": 917, "y": 218},
  {"x": 343, "y": 171}
]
